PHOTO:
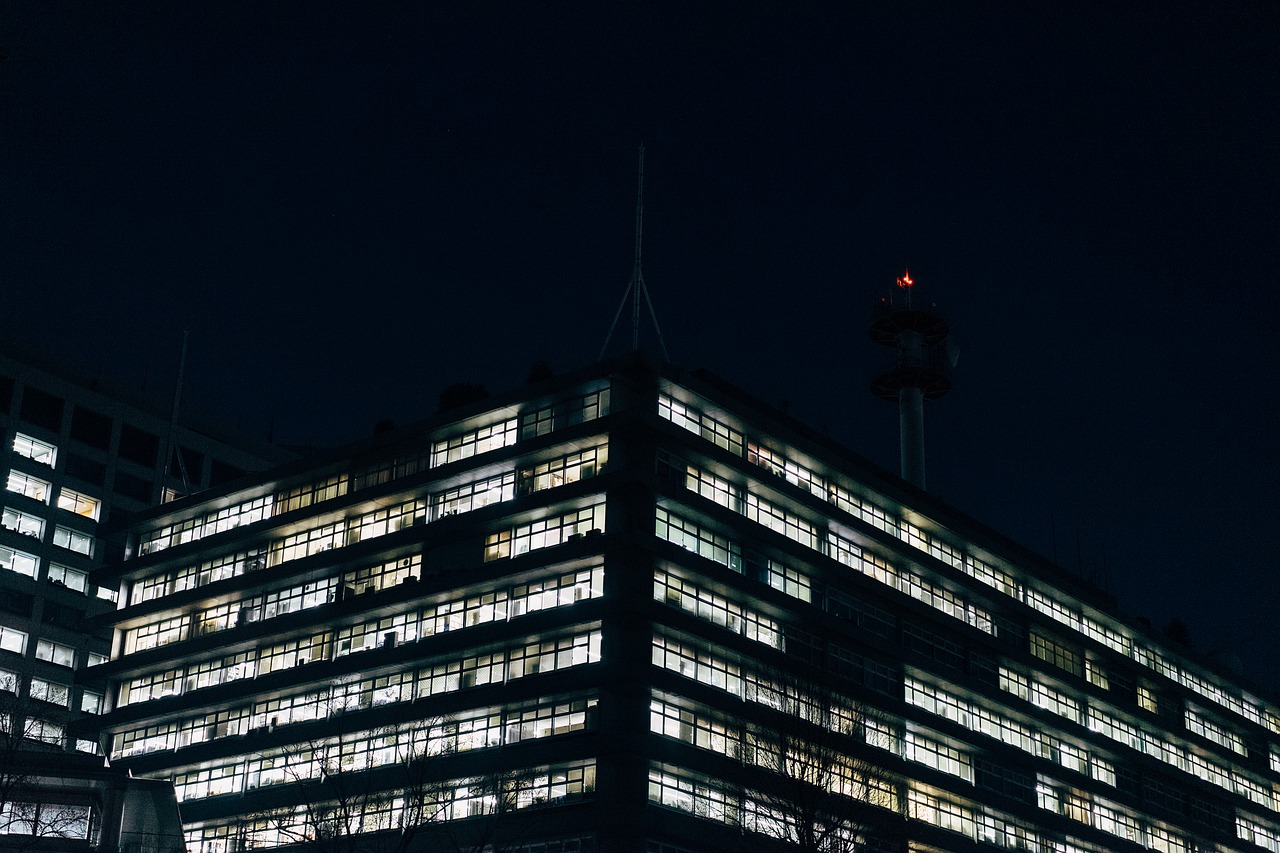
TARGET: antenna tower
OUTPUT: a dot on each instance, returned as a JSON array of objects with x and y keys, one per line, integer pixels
[
  {"x": 919, "y": 336},
  {"x": 637, "y": 287}
]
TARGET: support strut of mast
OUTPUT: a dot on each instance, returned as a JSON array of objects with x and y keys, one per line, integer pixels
[{"x": 636, "y": 288}]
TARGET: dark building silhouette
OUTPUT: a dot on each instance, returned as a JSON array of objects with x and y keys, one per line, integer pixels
[
  {"x": 633, "y": 609},
  {"x": 75, "y": 455}
]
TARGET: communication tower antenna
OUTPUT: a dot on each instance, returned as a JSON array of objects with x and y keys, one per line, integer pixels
[
  {"x": 636, "y": 287},
  {"x": 919, "y": 337},
  {"x": 170, "y": 445}
]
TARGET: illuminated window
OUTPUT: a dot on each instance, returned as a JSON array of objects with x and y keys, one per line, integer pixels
[
  {"x": 790, "y": 581},
  {"x": 50, "y": 691},
  {"x": 70, "y": 578},
  {"x": 91, "y": 702},
  {"x": 1216, "y": 732},
  {"x": 696, "y": 422},
  {"x": 45, "y": 730},
  {"x": 311, "y": 493},
  {"x": 563, "y": 470},
  {"x": 158, "y": 633},
  {"x": 693, "y": 537},
  {"x": 713, "y": 608},
  {"x": 1058, "y": 654},
  {"x": 21, "y": 522},
  {"x": 472, "y": 443},
  {"x": 39, "y": 451},
  {"x": 74, "y": 540},
  {"x": 79, "y": 503},
  {"x": 18, "y": 561},
  {"x": 937, "y": 755},
  {"x": 55, "y": 653},
  {"x": 1096, "y": 674},
  {"x": 32, "y": 487},
  {"x": 544, "y": 533},
  {"x": 1147, "y": 699},
  {"x": 13, "y": 640}
]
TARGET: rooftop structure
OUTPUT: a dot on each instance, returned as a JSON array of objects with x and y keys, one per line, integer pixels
[{"x": 632, "y": 609}]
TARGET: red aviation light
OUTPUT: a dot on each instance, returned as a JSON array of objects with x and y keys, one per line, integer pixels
[{"x": 906, "y": 280}]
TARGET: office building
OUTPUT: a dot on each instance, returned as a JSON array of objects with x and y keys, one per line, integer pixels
[
  {"x": 74, "y": 455},
  {"x": 633, "y": 609}
]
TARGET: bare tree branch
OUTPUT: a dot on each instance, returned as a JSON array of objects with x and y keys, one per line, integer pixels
[{"x": 820, "y": 793}]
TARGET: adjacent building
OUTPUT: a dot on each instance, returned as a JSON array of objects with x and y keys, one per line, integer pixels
[
  {"x": 633, "y": 609},
  {"x": 74, "y": 456}
]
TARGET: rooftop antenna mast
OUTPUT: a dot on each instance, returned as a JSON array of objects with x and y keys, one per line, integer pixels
[
  {"x": 170, "y": 445},
  {"x": 637, "y": 286}
]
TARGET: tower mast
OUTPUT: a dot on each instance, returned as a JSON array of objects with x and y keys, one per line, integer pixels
[
  {"x": 919, "y": 336},
  {"x": 636, "y": 287}
]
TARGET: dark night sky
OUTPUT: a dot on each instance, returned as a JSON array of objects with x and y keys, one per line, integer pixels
[{"x": 353, "y": 205}]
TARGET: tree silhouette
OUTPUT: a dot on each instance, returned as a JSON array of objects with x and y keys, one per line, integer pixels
[
  {"x": 26, "y": 814},
  {"x": 819, "y": 792},
  {"x": 366, "y": 791}
]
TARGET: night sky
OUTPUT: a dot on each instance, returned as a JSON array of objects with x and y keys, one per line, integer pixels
[{"x": 351, "y": 206}]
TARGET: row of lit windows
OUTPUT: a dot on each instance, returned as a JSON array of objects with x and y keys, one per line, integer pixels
[
  {"x": 719, "y": 801},
  {"x": 389, "y": 630},
  {"x": 1150, "y": 743},
  {"x": 734, "y": 497},
  {"x": 218, "y": 521},
  {"x": 538, "y": 534},
  {"x": 714, "y": 608},
  {"x": 544, "y": 532},
  {"x": 320, "y": 647},
  {"x": 977, "y": 717},
  {"x": 755, "y": 508},
  {"x": 23, "y": 523},
  {"x": 33, "y": 526},
  {"x": 1108, "y": 817},
  {"x": 575, "y": 410},
  {"x": 694, "y": 537},
  {"x": 473, "y": 442},
  {"x": 1208, "y": 729},
  {"x": 938, "y": 755},
  {"x": 552, "y": 591},
  {"x": 709, "y": 428},
  {"x": 293, "y": 547},
  {"x": 58, "y": 575},
  {"x": 45, "y": 820},
  {"x": 1265, "y": 834},
  {"x": 718, "y": 671},
  {"x": 370, "y": 748},
  {"x": 455, "y": 799},
  {"x": 18, "y": 727},
  {"x": 473, "y": 495},
  {"x": 778, "y": 749},
  {"x": 364, "y": 579},
  {"x": 310, "y": 494},
  {"x": 13, "y": 640},
  {"x": 462, "y": 446},
  {"x": 563, "y": 470},
  {"x": 849, "y": 553},
  {"x": 938, "y": 809},
  {"x": 497, "y": 667},
  {"x": 714, "y": 431},
  {"x": 40, "y": 490}
]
